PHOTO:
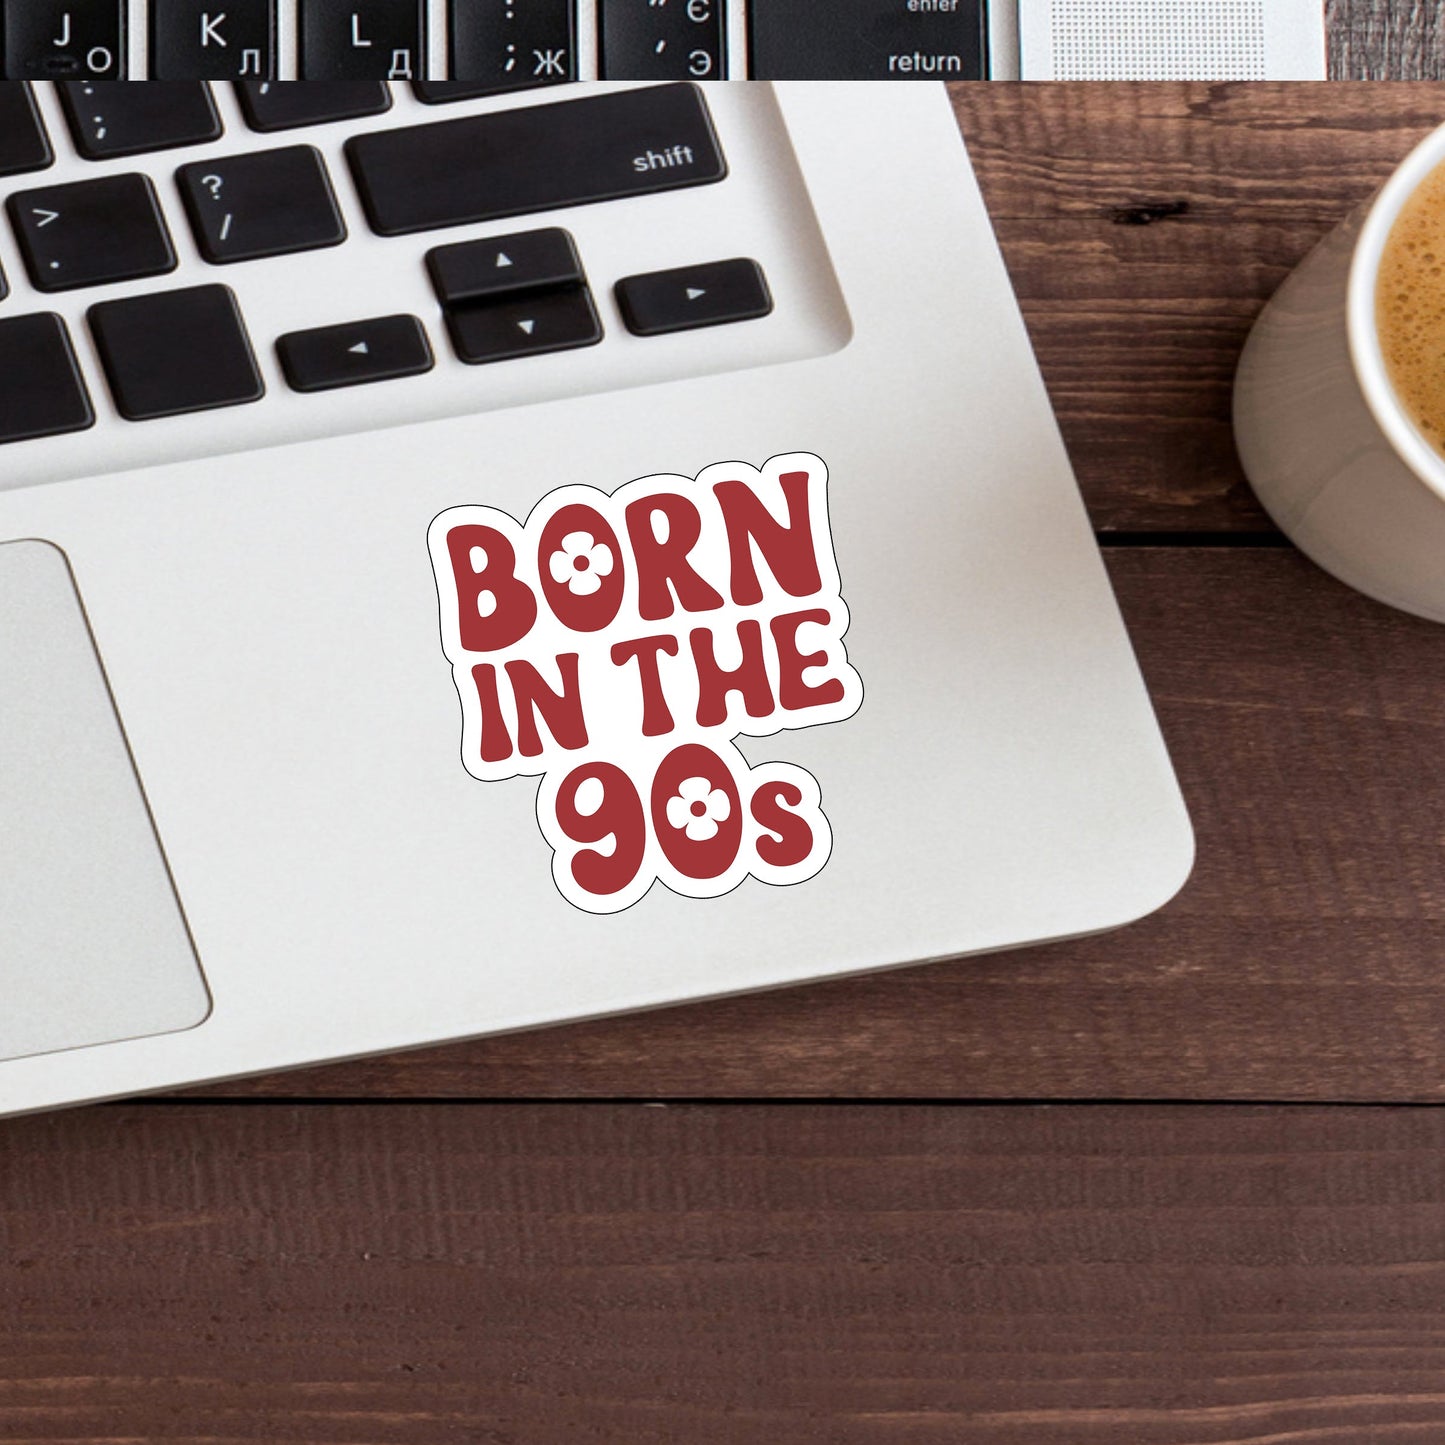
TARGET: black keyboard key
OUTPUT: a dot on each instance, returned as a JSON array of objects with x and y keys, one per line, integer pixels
[
  {"x": 645, "y": 40},
  {"x": 175, "y": 351},
  {"x": 65, "y": 39},
  {"x": 121, "y": 118},
  {"x": 213, "y": 39},
  {"x": 693, "y": 296},
  {"x": 363, "y": 39},
  {"x": 24, "y": 146},
  {"x": 483, "y": 270},
  {"x": 360, "y": 351},
  {"x": 500, "y": 45},
  {"x": 41, "y": 390},
  {"x": 268, "y": 203},
  {"x": 444, "y": 92},
  {"x": 527, "y": 326},
  {"x": 535, "y": 158},
  {"x": 271, "y": 105},
  {"x": 91, "y": 232},
  {"x": 869, "y": 39}
]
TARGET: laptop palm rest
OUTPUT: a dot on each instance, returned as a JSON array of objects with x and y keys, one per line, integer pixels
[{"x": 93, "y": 946}]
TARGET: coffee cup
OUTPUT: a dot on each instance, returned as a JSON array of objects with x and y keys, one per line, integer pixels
[{"x": 1326, "y": 440}]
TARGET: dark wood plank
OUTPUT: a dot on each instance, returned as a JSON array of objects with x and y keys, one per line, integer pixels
[
  {"x": 839, "y": 1275},
  {"x": 1305, "y": 959},
  {"x": 1386, "y": 39},
  {"x": 1144, "y": 227}
]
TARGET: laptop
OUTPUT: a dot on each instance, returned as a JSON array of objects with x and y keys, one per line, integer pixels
[
  {"x": 582, "y": 551},
  {"x": 506, "y": 43}
]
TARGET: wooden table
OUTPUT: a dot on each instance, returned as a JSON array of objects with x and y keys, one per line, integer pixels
[
  {"x": 1386, "y": 39},
  {"x": 994, "y": 1201}
]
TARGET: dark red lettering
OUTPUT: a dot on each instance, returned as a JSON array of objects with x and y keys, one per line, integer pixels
[
  {"x": 794, "y": 837},
  {"x": 495, "y": 743},
  {"x": 656, "y": 717},
  {"x": 696, "y": 812},
  {"x": 561, "y": 711},
  {"x": 793, "y": 693},
  {"x": 662, "y": 567},
  {"x": 714, "y": 683},
  {"x": 618, "y": 815},
  {"x": 787, "y": 549},
  {"x": 580, "y": 565},
  {"x": 494, "y": 608}
]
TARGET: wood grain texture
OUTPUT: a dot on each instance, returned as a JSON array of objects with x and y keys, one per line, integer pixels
[
  {"x": 1304, "y": 960},
  {"x": 1386, "y": 39},
  {"x": 1144, "y": 227},
  {"x": 703, "y": 1276}
]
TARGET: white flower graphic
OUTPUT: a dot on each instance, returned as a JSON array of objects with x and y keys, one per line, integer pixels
[
  {"x": 581, "y": 562},
  {"x": 698, "y": 808}
]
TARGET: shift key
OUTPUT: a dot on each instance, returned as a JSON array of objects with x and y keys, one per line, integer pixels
[{"x": 535, "y": 158}]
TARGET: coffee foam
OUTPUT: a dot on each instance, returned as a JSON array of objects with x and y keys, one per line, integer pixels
[{"x": 1410, "y": 307}]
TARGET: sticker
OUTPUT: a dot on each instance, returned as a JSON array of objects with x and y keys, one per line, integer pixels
[{"x": 618, "y": 644}]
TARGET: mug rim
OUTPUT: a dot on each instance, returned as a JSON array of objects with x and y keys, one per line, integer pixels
[{"x": 1366, "y": 355}]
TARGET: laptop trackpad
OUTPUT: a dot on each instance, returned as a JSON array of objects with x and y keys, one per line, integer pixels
[{"x": 93, "y": 947}]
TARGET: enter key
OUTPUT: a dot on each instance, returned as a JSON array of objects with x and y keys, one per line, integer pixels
[{"x": 869, "y": 40}]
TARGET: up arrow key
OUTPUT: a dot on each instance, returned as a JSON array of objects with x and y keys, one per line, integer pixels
[{"x": 503, "y": 259}]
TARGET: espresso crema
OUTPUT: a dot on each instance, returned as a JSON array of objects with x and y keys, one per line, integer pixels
[{"x": 1410, "y": 307}]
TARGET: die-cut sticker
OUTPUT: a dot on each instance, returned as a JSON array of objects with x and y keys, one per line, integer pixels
[{"x": 618, "y": 644}]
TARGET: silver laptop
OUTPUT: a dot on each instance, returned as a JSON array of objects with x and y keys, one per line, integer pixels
[
  {"x": 469, "y": 567},
  {"x": 505, "y": 43}
]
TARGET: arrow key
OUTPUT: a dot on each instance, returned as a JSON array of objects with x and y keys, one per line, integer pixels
[
  {"x": 526, "y": 260},
  {"x": 525, "y": 326},
  {"x": 692, "y": 296},
  {"x": 357, "y": 352},
  {"x": 91, "y": 232}
]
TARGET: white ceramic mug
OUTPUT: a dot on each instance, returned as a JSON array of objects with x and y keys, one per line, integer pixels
[{"x": 1330, "y": 451}]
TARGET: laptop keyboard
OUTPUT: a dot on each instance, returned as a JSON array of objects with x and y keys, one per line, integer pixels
[
  {"x": 178, "y": 249},
  {"x": 494, "y": 44}
]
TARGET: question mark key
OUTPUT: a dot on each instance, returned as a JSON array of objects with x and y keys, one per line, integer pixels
[{"x": 267, "y": 203}]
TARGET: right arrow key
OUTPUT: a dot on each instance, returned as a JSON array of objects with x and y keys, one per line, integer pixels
[{"x": 713, "y": 294}]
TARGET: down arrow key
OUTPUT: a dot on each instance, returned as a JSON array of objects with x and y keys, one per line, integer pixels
[{"x": 528, "y": 325}]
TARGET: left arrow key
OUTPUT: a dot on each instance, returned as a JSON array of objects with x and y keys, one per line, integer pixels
[{"x": 381, "y": 349}]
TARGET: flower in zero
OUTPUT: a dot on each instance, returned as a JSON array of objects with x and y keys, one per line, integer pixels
[
  {"x": 581, "y": 562},
  {"x": 698, "y": 808}
]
